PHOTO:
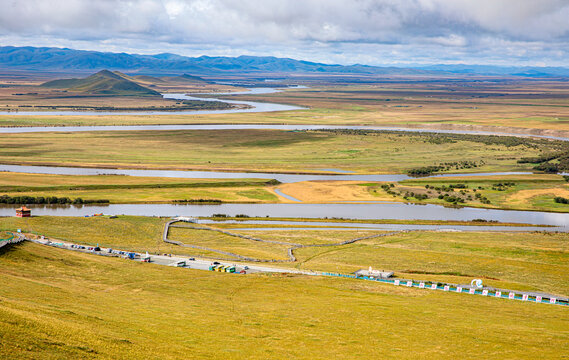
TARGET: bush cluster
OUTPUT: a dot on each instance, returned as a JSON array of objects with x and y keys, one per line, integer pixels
[
  {"x": 50, "y": 200},
  {"x": 561, "y": 200},
  {"x": 209, "y": 201}
]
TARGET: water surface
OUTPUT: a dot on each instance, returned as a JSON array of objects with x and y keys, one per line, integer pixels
[
  {"x": 303, "y": 210},
  {"x": 284, "y": 178},
  {"x": 252, "y": 106}
]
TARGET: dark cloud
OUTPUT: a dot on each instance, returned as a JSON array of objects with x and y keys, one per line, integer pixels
[{"x": 347, "y": 31}]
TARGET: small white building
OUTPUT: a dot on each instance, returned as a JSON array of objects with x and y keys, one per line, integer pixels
[
  {"x": 378, "y": 274},
  {"x": 186, "y": 219}
]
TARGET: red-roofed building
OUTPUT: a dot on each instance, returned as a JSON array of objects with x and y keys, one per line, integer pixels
[{"x": 23, "y": 212}]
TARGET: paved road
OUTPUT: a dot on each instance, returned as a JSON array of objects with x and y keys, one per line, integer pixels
[{"x": 198, "y": 263}]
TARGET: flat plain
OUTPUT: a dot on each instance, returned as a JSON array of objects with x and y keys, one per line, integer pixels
[{"x": 266, "y": 150}]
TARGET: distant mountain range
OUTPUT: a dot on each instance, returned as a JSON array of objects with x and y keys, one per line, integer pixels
[{"x": 67, "y": 60}]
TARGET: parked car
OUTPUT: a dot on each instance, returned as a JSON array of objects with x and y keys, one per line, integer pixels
[
  {"x": 192, "y": 259},
  {"x": 216, "y": 263}
]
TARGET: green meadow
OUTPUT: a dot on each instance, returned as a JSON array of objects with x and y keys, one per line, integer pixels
[{"x": 267, "y": 150}]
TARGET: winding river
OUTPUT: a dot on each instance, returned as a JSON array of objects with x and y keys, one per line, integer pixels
[
  {"x": 252, "y": 106},
  {"x": 372, "y": 210}
]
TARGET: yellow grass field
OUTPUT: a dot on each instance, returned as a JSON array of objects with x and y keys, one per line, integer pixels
[{"x": 57, "y": 304}]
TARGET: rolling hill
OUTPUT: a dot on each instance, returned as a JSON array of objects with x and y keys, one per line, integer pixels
[{"x": 102, "y": 83}]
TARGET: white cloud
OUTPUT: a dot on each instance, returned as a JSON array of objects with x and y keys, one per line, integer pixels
[{"x": 415, "y": 30}]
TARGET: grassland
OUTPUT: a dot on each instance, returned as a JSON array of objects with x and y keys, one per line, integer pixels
[
  {"x": 48, "y": 101},
  {"x": 514, "y": 192},
  {"x": 282, "y": 151},
  {"x": 516, "y": 105},
  {"x": 365, "y": 221},
  {"x": 523, "y": 261},
  {"x": 261, "y": 150},
  {"x": 59, "y": 304},
  {"x": 519, "y": 192},
  {"x": 130, "y": 189}
]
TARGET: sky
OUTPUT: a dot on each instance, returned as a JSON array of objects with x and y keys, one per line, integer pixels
[{"x": 374, "y": 32}]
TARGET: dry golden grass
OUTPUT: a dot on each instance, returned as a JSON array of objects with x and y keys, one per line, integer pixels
[
  {"x": 524, "y": 196},
  {"x": 56, "y": 304},
  {"x": 328, "y": 191}
]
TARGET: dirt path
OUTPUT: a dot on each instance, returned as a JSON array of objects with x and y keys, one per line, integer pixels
[{"x": 290, "y": 250}]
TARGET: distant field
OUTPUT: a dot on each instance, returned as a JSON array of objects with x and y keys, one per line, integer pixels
[
  {"x": 95, "y": 307},
  {"x": 514, "y": 105},
  {"x": 266, "y": 150}
]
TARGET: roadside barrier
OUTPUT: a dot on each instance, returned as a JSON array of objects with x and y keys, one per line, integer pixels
[{"x": 498, "y": 293}]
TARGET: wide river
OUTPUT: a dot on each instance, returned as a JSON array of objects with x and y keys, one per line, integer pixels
[
  {"x": 376, "y": 210},
  {"x": 372, "y": 210}
]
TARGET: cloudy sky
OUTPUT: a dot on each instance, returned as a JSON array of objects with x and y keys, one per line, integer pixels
[{"x": 376, "y": 32}]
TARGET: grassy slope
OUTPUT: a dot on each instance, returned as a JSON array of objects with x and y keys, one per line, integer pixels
[
  {"x": 58, "y": 304},
  {"x": 254, "y": 150},
  {"x": 534, "y": 261}
]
